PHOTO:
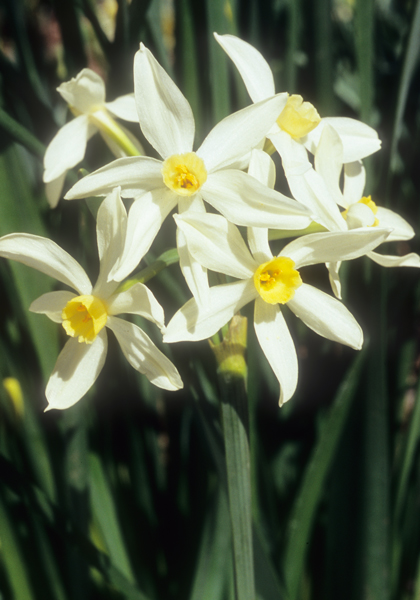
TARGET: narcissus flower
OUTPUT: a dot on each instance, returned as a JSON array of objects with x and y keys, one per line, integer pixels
[
  {"x": 186, "y": 178},
  {"x": 298, "y": 125},
  {"x": 86, "y": 314},
  {"x": 270, "y": 281},
  {"x": 85, "y": 95},
  {"x": 360, "y": 210}
]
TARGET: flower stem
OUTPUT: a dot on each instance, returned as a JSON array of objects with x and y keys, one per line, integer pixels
[{"x": 232, "y": 372}]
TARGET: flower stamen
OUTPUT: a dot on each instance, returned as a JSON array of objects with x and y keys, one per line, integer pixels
[
  {"x": 184, "y": 174},
  {"x": 84, "y": 317}
]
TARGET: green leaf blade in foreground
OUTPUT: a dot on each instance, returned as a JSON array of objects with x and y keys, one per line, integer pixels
[{"x": 313, "y": 484}]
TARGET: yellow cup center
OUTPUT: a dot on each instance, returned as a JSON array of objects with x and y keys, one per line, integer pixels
[
  {"x": 298, "y": 118},
  {"x": 367, "y": 200},
  {"x": 84, "y": 317},
  {"x": 184, "y": 174},
  {"x": 277, "y": 280}
]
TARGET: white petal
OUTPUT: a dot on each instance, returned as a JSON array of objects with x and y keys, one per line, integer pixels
[
  {"x": 85, "y": 92},
  {"x": 124, "y": 107},
  {"x": 277, "y": 344},
  {"x": 111, "y": 226},
  {"x": 252, "y": 66},
  {"x": 75, "y": 371},
  {"x": 194, "y": 273},
  {"x": 193, "y": 322},
  {"x": 217, "y": 244},
  {"x": 329, "y": 161},
  {"x": 258, "y": 243},
  {"x": 359, "y": 215},
  {"x": 145, "y": 219},
  {"x": 240, "y": 132},
  {"x": 165, "y": 116},
  {"x": 262, "y": 167},
  {"x": 137, "y": 300},
  {"x": 144, "y": 356},
  {"x": 67, "y": 148},
  {"x": 354, "y": 183},
  {"x": 333, "y": 269},
  {"x": 52, "y": 304},
  {"x": 53, "y": 190},
  {"x": 333, "y": 246},
  {"x": 326, "y": 316},
  {"x": 245, "y": 201},
  {"x": 45, "y": 256},
  {"x": 136, "y": 175},
  {"x": 408, "y": 260},
  {"x": 293, "y": 154},
  {"x": 359, "y": 140},
  {"x": 402, "y": 230},
  {"x": 311, "y": 190}
]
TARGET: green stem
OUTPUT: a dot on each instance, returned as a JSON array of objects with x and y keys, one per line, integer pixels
[
  {"x": 232, "y": 372},
  {"x": 21, "y": 134},
  {"x": 164, "y": 260}
]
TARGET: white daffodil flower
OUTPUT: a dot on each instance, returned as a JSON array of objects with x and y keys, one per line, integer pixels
[
  {"x": 186, "y": 178},
  {"x": 85, "y": 94},
  {"x": 270, "y": 281},
  {"x": 299, "y": 125},
  {"x": 85, "y": 315},
  {"x": 359, "y": 210}
]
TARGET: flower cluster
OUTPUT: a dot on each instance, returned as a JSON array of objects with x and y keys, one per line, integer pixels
[{"x": 233, "y": 173}]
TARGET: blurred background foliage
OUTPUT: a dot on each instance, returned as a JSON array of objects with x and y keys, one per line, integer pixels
[{"x": 123, "y": 495}]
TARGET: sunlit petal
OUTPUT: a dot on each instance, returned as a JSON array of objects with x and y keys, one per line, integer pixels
[
  {"x": 124, "y": 107},
  {"x": 137, "y": 300},
  {"x": 75, "y": 371},
  {"x": 144, "y": 356},
  {"x": 85, "y": 92},
  {"x": 385, "y": 260},
  {"x": 277, "y": 344}
]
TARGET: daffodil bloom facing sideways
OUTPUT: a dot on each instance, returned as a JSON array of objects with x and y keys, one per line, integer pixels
[
  {"x": 270, "y": 281},
  {"x": 298, "y": 126},
  {"x": 85, "y": 315},
  {"x": 85, "y": 94},
  {"x": 359, "y": 210},
  {"x": 186, "y": 178}
]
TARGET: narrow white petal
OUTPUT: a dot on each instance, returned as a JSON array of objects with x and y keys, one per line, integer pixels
[
  {"x": 354, "y": 183},
  {"x": 67, "y": 148},
  {"x": 111, "y": 227},
  {"x": 326, "y": 316},
  {"x": 385, "y": 260},
  {"x": 334, "y": 246},
  {"x": 240, "y": 132},
  {"x": 293, "y": 154},
  {"x": 401, "y": 229},
  {"x": 194, "y": 273},
  {"x": 311, "y": 190},
  {"x": 333, "y": 273},
  {"x": 45, "y": 256},
  {"x": 52, "y": 304},
  {"x": 217, "y": 244},
  {"x": 329, "y": 161},
  {"x": 258, "y": 243},
  {"x": 145, "y": 219},
  {"x": 75, "y": 371},
  {"x": 359, "y": 140},
  {"x": 85, "y": 92},
  {"x": 193, "y": 322},
  {"x": 136, "y": 175},
  {"x": 262, "y": 167},
  {"x": 165, "y": 115},
  {"x": 144, "y": 356},
  {"x": 252, "y": 66},
  {"x": 245, "y": 201},
  {"x": 138, "y": 300},
  {"x": 124, "y": 107},
  {"x": 53, "y": 190},
  {"x": 277, "y": 344}
]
